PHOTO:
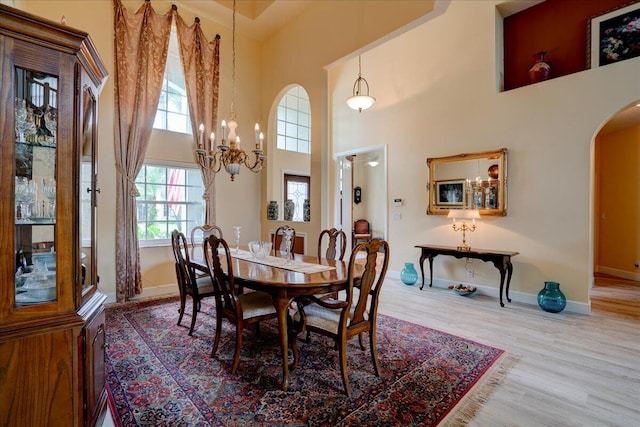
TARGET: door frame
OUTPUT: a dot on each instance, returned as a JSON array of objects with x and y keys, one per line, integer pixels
[{"x": 343, "y": 200}]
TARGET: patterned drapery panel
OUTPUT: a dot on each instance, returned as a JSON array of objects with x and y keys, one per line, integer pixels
[
  {"x": 201, "y": 64},
  {"x": 141, "y": 44}
]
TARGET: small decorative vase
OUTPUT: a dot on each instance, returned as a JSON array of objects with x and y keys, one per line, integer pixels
[
  {"x": 306, "y": 210},
  {"x": 551, "y": 299},
  {"x": 272, "y": 210},
  {"x": 540, "y": 70},
  {"x": 289, "y": 208},
  {"x": 409, "y": 275}
]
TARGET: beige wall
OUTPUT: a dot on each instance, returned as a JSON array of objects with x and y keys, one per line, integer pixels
[
  {"x": 440, "y": 99},
  {"x": 298, "y": 54},
  {"x": 617, "y": 209}
]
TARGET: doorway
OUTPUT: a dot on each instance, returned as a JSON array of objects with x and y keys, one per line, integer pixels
[
  {"x": 364, "y": 172},
  {"x": 616, "y": 230}
]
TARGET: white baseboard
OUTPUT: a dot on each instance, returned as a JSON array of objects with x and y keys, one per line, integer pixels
[
  {"x": 618, "y": 273},
  {"x": 521, "y": 297},
  {"x": 156, "y": 291}
]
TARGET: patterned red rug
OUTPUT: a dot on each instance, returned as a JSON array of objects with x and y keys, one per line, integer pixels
[{"x": 158, "y": 375}]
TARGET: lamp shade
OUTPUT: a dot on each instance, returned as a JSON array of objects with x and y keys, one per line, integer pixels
[
  {"x": 360, "y": 102},
  {"x": 464, "y": 214}
]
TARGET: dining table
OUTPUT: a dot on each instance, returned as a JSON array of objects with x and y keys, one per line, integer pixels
[{"x": 301, "y": 275}]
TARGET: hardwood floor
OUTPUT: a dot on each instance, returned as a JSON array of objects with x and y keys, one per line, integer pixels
[
  {"x": 573, "y": 370},
  {"x": 612, "y": 296}
]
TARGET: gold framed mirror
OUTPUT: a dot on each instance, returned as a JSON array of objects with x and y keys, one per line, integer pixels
[{"x": 468, "y": 181}]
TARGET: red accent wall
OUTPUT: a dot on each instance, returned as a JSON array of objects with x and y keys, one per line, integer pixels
[{"x": 558, "y": 27}]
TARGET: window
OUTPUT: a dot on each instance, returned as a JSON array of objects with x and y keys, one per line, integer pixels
[
  {"x": 296, "y": 188},
  {"x": 294, "y": 121},
  {"x": 173, "y": 108},
  {"x": 170, "y": 198}
]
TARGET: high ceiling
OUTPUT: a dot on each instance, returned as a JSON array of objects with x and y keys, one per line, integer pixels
[{"x": 257, "y": 19}]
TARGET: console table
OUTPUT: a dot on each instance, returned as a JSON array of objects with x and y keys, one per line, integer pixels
[{"x": 500, "y": 259}]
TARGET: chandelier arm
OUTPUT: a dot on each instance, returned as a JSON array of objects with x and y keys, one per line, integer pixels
[
  {"x": 258, "y": 162},
  {"x": 215, "y": 163}
]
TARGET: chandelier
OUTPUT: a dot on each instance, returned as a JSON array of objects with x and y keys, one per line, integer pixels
[
  {"x": 228, "y": 153},
  {"x": 360, "y": 101}
]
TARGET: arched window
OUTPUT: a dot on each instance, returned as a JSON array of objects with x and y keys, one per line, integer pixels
[{"x": 294, "y": 121}]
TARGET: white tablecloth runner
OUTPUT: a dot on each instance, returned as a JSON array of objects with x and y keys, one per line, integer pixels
[{"x": 298, "y": 266}]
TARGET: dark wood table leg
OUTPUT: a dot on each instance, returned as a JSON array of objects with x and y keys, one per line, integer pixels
[
  {"x": 282, "y": 308},
  {"x": 502, "y": 274},
  {"x": 500, "y": 264},
  {"x": 422, "y": 257},
  {"x": 431, "y": 256},
  {"x": 509, "y": 272}
]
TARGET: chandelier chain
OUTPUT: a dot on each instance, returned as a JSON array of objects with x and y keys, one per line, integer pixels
[{"x": 233, "y": 60}]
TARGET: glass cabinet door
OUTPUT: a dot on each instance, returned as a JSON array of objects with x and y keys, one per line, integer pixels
[
  {"x": 88, "y": 191},
  {"x": 35, "y": 190}
]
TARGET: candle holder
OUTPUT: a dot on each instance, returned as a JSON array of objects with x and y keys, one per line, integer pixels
[{"x": 464, "y": 214}]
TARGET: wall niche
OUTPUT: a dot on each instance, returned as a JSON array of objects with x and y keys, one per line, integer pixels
[{"x": 557, "y": 27}]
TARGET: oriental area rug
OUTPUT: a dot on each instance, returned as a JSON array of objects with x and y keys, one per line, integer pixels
[{"x": 158, "y": 375}]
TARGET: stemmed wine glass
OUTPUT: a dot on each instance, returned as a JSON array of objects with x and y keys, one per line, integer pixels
[
  {"x": 49, "y": 191},
  {"x": 25, "y": 195},
  {"x": 285, "y": 249},
  {"x": 236, "y": 231}
]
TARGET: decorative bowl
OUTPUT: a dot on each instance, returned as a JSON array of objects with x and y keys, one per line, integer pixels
[
  {"x": 41, "y": 287},
  {"x": 259, "y": 249},
  {"x": 463, "y": 290}
]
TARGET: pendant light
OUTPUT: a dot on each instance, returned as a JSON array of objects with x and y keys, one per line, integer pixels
[{"x": 360, "y": 101}]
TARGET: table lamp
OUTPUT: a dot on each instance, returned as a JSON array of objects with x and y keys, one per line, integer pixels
[{"x": 464, "y": 214}]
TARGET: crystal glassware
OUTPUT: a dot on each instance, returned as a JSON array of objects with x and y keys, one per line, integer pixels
[
  {"x": 25, "y": 193},
  {"x": 285, "y": 249},
  {"x": 49, "y": 191},
  {"x": 236, "y": 232}
]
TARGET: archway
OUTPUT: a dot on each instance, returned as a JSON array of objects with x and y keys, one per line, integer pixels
[{"x": 616, "y": 204}]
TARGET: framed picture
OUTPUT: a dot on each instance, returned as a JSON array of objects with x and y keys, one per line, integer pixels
[
  {"x": 614, "y": 36},
  {"x": 450, "y": 193}
]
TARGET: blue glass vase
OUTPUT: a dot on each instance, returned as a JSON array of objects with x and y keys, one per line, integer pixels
[
  {"x": 409, "y": 275},
  {"x": 551, "y": 298}
]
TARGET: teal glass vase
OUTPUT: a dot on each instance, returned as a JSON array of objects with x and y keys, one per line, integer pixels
[
  {"x": 551, "y": 298},
  {"x": 409, "y": 275}
]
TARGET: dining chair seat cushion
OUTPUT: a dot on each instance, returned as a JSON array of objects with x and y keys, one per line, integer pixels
[
  {"x": 256, "y": 304},
  {"x": 205, "y": 285},
  {"x": 325, "y": 318}
]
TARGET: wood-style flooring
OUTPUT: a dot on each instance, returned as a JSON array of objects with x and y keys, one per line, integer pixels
[{"x": 573, "y": 370}]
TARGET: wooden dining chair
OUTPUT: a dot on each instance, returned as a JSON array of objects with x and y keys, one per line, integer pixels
[
  {"x": 278, "y": 241},
  {"x": 337, "y": 239},
  {"x": 201, "y": 232},
  {"x": 242, "y": 310},
  {"x": 361, "y": 231},
  {"x": 334, "y": 248},
  {"x": 342, "y": 319},
  {"x": 188, "y": 282}
]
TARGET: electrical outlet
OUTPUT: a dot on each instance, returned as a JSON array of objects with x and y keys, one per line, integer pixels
[{"x": 469, "y": 273}]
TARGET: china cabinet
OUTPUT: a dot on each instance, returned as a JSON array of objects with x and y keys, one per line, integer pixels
[{"x": 51, "y": 308}]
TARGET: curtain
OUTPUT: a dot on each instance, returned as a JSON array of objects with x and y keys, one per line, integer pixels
[
  {"x": 141, "y": 44},
  {"x": 201, "y": 64}
]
